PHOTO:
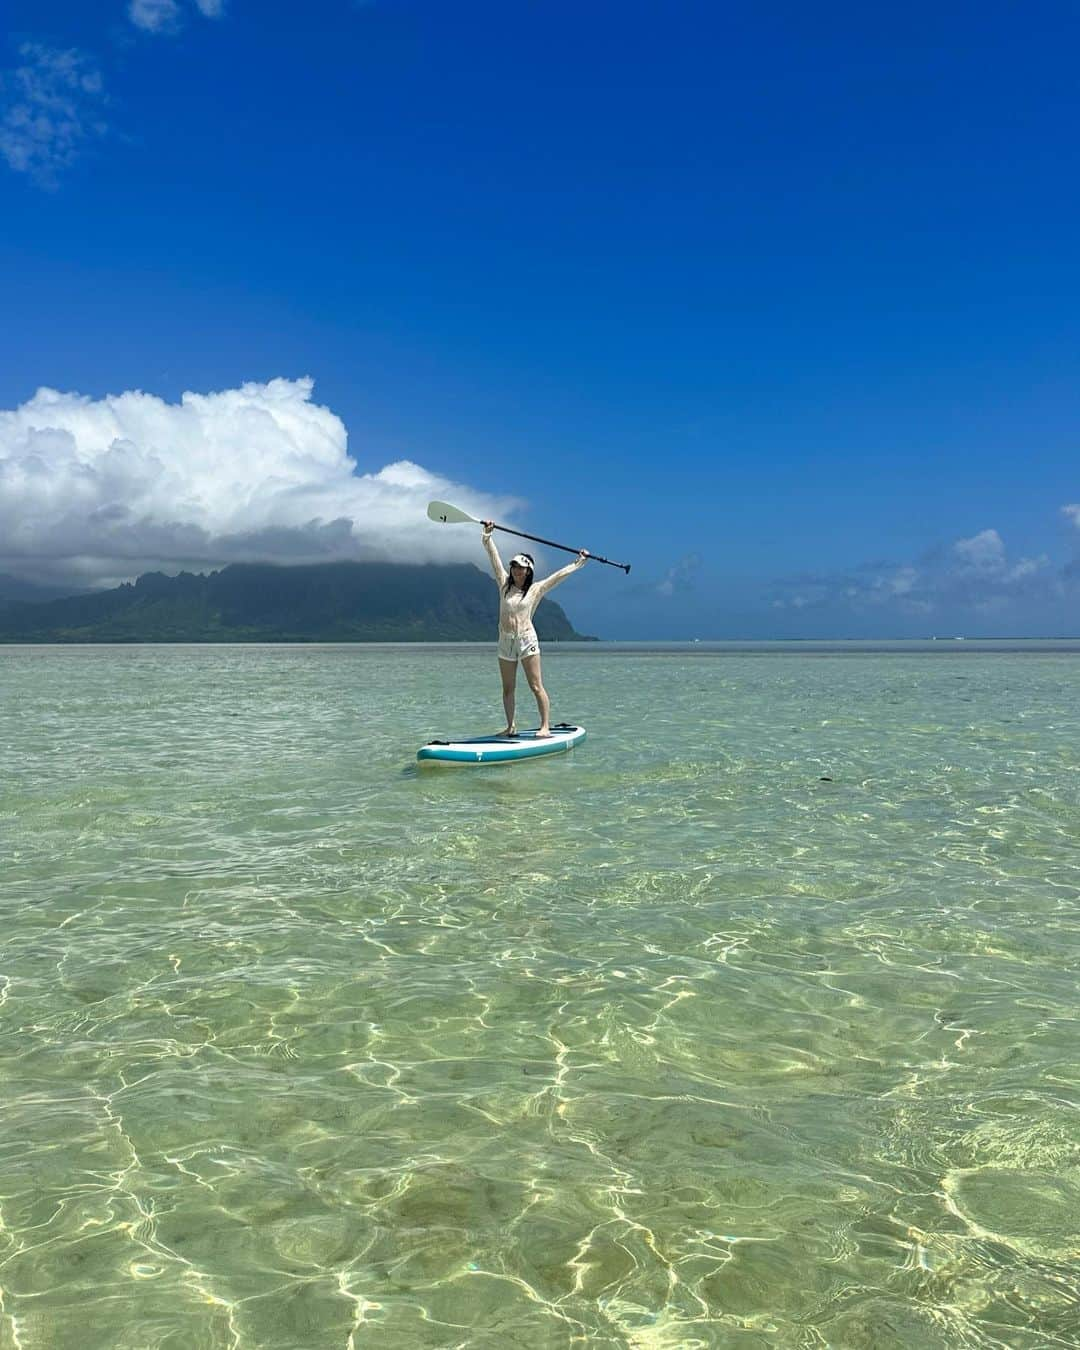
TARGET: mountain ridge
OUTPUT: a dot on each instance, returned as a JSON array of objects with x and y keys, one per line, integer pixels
[{"x": 266, "y": 602}]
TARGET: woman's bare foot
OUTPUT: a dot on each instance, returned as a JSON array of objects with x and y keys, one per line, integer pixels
[
  {"x": 543, "y": 734},
  {"x": 507, "y": 731}
]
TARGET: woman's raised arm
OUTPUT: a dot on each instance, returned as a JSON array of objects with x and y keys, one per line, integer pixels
[
  {"x": 541, "y": 588},
  {"x": 497, "y": 568}
]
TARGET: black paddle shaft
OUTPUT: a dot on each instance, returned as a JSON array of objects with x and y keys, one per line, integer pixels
[{"x": 593, "y": 557}]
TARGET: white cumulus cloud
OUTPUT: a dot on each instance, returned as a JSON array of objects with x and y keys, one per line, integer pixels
[
  {"x": 984, "y": 555},
  {"x": 984, "y": 551},
  {"x": 95, "y": 491},
  {"x": 50, "y": 105},
  {"x": 973, "y": 572}
]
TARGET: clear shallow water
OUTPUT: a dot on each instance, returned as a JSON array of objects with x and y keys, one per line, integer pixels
[{"x": 664, "y": 1043}]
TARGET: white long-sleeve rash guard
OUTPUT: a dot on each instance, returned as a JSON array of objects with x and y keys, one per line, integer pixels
[{"x": 516, "y": 608}]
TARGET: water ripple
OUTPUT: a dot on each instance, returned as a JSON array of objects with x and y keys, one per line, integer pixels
[{"x": 753, "y": 1022}]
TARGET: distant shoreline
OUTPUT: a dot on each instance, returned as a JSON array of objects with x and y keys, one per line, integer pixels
[{"x": 613, "y": 646}]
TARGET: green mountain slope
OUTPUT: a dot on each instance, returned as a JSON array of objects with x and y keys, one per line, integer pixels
[{"x": 255, "y": 602}]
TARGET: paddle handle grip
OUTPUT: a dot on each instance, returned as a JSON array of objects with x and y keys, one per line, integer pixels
[{"x": 593, "y": 557}]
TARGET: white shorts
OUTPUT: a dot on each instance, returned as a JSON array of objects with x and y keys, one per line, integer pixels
[{"x": 515, "y": 648}]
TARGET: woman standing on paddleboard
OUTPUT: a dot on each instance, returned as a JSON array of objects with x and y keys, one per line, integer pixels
[{"x": 518, "y": 597}]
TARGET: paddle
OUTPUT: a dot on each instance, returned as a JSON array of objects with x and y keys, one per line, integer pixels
[{"x": 453, "y": 515}]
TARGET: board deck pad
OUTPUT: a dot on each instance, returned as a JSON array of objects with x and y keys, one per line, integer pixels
[{"x": 502, "y": 749}]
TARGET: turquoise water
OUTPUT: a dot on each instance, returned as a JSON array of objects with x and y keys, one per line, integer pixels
[{"x": 663, "y": 1043}]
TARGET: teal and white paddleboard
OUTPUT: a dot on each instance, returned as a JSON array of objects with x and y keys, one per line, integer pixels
[{"x": 501, "y": 749}]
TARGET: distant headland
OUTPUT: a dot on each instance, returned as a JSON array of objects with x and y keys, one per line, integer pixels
[{"x": 261, "y": 602}]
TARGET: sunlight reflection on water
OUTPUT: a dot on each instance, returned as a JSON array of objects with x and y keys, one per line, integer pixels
[{"x": 752, "y": 1021}]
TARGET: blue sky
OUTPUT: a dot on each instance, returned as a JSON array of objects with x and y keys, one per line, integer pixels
[{"x": 778, "y": 303}]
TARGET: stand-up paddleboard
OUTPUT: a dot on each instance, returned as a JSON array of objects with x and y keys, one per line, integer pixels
[{"x": 501, "y": 749}]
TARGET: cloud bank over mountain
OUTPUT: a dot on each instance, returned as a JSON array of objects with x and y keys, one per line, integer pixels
[
  {"x": 97, "y": 491},
  {"x": 93, "y": 491}
]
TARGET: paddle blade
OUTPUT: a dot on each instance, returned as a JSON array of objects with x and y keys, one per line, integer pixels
[{"x": 449, "y": 515}]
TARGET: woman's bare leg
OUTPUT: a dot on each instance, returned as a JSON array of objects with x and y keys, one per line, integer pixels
[
  {"x": 531, "y": 666},
  {"x": 508, "y": 672}
]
